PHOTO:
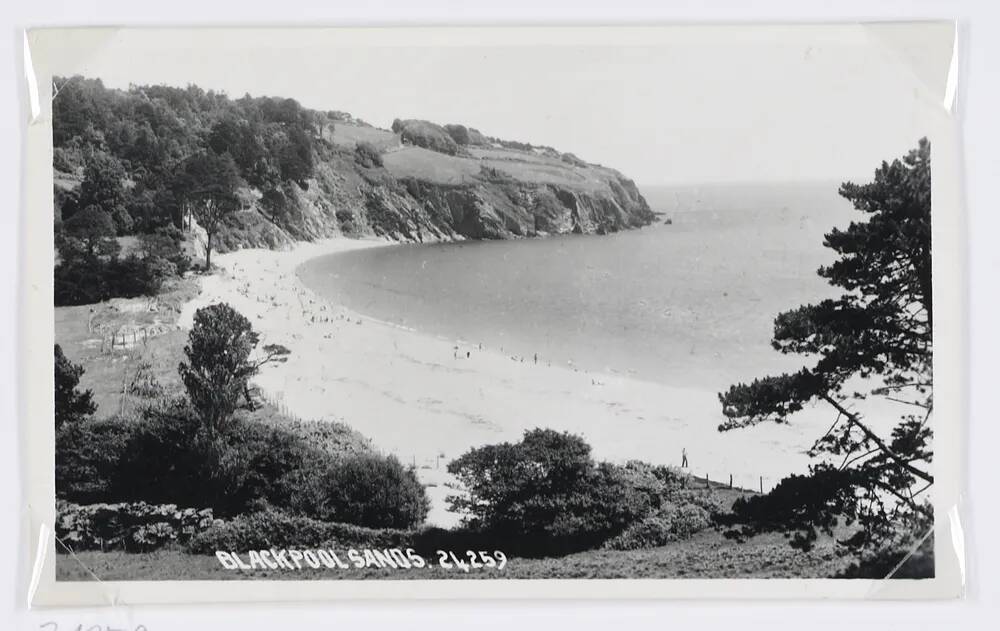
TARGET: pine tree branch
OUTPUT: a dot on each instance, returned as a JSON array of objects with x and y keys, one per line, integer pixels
[{"x": 856, "y": 421}]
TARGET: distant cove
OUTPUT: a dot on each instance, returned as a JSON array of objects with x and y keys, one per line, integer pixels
[{"x": 691, "y": 303}]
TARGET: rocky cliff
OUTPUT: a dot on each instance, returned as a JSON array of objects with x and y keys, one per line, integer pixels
[{"x": 402, "y": 185}]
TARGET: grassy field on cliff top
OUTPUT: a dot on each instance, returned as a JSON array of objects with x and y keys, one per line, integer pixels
[
  {"x": 347, "y": 135},
  {"x": 409, "y": 161}
]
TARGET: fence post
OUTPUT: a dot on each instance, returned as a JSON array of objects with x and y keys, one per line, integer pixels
[
  {"x": 761, "y": 485},
  {"x": 730, "y": 480}
]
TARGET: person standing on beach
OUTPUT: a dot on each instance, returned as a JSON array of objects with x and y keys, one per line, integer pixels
[{"x": 684, "y": 457}]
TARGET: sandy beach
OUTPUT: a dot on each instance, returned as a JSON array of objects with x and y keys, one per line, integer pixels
[{"x": 428, "y": 399}]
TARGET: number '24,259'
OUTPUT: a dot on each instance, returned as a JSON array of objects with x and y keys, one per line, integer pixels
[{"x": 476, "y": 560}]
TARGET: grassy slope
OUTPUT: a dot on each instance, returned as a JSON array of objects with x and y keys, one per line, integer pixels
[
  {"x": 85, "y": 332},
  {"x": 348, "y": 135},
  {"x": 431, "y": 166},
  {"x": 424, "y": 164},
  {"x": 706, "y": 555}
]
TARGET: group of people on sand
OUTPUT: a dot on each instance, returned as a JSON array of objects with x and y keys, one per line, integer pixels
[
  {"x": 313, "y": 311},
  {"x": 515, "y": 358}
]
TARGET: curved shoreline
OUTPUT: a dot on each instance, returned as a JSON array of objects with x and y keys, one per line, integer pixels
[{"x": 414, "y": 396}]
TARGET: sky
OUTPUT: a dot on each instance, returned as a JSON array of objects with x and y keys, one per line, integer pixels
[{"x": 664, "y": 106}]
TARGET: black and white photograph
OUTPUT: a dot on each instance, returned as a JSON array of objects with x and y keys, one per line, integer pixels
[{"x": 368, "y": 305}]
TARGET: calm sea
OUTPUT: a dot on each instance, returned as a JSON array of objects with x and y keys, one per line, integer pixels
[{"x": 689, "y": 303}]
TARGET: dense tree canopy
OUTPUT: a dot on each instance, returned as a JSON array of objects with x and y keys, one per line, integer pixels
[
  {"x": 130, "y": 145},
  {"x": 872, "y": 341},
  {"x": 144, "y": 159}
]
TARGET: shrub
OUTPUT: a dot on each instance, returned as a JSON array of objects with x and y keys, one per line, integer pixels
[
  {"x": 166, "y": 242},
  {"x": 802, "y": 506},
  {"x": 168, "y": 458},
  {"x": 365, "y": 489},
  {"x": 81, "y": 278},
  {"x": 88, "y": 456},
  {"x": 601, "y": 506},
  {"x": 367, "y": 155},
  {"x": 548, "y": 488},
  {"x": 425, "y": 134},
  {"x": 144, "y": 383},
  {"x": 458, "y": 133},
  {"x": 165, "y": 456},
  {"x": 135, "y": 527},
  {"x": 138, "y": 276},
  {"x": 688, "y": 519},
  {"x": 715, "y": 504},
  {"x": 265, "y": 464},
  {"x": 80, "y": 281},
  {"x": 650, "y": 532},
  {"x": 330, "y": 437},
  {"x": 673, "y": 523},
  {"x": 160, "y": 460},
  {"x": 274, "y": 529},
  {"x": 71, "y": 404},
  {"x": 657, "y": 482}
]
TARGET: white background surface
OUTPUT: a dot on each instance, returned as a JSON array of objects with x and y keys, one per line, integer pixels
[{"x": 979, "y": 108}]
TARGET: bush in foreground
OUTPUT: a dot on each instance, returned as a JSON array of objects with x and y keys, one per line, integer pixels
[
  {"x": 88, "y": 455},
  {"x": 168, "y": 458},
  {"x": 674, "y": 523},
  {"x": 274, "y": 529},
  {"x": 548, "y": 490},
  {"x": 164, "y": 457},
  {"x": 133, "y": 527},
  {"x": 365, "y": 489}
]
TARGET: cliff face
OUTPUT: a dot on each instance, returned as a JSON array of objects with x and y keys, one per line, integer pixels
[
  {"x": 501, "y": 210},
  {"x": 416, "y": 194}
]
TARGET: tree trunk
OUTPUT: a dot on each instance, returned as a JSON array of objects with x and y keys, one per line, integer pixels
[{"x": 208, "y": 253}]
